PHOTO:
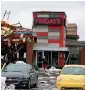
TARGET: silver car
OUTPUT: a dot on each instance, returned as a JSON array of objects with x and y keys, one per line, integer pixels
[{"x": 21, "y": 75}]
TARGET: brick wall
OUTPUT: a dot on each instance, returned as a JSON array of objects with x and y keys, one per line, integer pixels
[{"x": 82, "y": 56}]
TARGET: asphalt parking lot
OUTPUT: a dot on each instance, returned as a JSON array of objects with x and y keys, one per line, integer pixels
[{"x": 46, "y": 81}]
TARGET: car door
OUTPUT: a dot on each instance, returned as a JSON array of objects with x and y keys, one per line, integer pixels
[
  {"x": 32, "y": 75},
  {"x": 35, "y": 75}
]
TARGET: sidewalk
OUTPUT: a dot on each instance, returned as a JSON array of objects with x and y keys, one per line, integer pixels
[{"x": 48, "y": 72}]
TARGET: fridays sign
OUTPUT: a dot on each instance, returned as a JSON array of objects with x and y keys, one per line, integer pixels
[{"x": 48, "y": 21}]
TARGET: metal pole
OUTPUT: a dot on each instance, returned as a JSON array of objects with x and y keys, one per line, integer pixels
[
  {"x": 58, "y": 57},
  {"x": 43, "y": 54},
  {"x": 48, "y": 60},
  {"x": 36, "y": 57},
  {"x": 51, "y": 58},
  {"x": 67, "y": 58},
  {"x": 69, "y": 61},
  {"x": 6, "y": 59}
]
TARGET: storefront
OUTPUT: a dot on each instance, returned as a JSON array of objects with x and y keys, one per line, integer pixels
[
  {"x": 50, "y": 30},
  {"x": 54, "y": 56}
]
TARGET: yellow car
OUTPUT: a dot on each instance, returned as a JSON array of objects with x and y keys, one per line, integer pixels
[{"x": 72, "y": 77}]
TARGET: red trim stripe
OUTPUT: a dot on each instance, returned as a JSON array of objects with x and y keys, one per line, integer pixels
[
  {"x": 61, "y": 59},
  {"x": 42, "y": 33},
  {"x": 34, "y": 15},
  {"x": 54, "y": 27},
  {"x": 62, "y": 16},
  {"x": 53, "y": 41},
  {"x": 61, "y": 37}
]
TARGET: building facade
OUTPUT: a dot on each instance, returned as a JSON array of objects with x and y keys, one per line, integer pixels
[
  {"x": 71, "y": 32},
  {"x": 76, "y": 47},
  {"x": 18, "y": 42},
  {"x": 50, "y": 30},
  {"x": 51, "y": 37}
]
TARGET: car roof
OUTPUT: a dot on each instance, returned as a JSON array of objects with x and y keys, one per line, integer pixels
[
  {"x": 75, "y": 66},
  {"x": 19, "y": 64}
]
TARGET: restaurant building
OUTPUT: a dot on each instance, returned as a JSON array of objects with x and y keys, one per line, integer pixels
[
  {"x": 50, "y": 30},
  {"x": 51, "y": 36}
]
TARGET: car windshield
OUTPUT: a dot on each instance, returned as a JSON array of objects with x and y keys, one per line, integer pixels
[
  {"x": 17, "y": 68},
  {"x": 73, "y": 70}
]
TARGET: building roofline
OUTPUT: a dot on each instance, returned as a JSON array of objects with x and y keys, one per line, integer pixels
[
  {"x": 62, "y": 12},
  {"x": 75, "y": 43}
]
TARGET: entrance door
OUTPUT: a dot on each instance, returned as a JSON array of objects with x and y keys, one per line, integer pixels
[
  {"x": 54, "y": 58},
  {"x": 50, "y": 56},
  {"x": 47, "y": 55}
]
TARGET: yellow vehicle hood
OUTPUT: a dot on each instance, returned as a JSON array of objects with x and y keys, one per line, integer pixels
[{"x": 72, "y": 78}]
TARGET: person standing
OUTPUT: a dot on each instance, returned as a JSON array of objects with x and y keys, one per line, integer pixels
[{"x": 43, "y": 63}]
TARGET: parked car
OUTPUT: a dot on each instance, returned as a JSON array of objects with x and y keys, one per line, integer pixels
[
  {"x": 21, "y": 75},
  {"x": 72, "y": 77}
]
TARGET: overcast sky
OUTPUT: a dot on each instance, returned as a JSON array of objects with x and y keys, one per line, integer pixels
[{"x": 22, "y": 11}]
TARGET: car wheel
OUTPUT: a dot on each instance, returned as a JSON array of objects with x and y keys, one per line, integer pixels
[{"x": 35, "y": 85}]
